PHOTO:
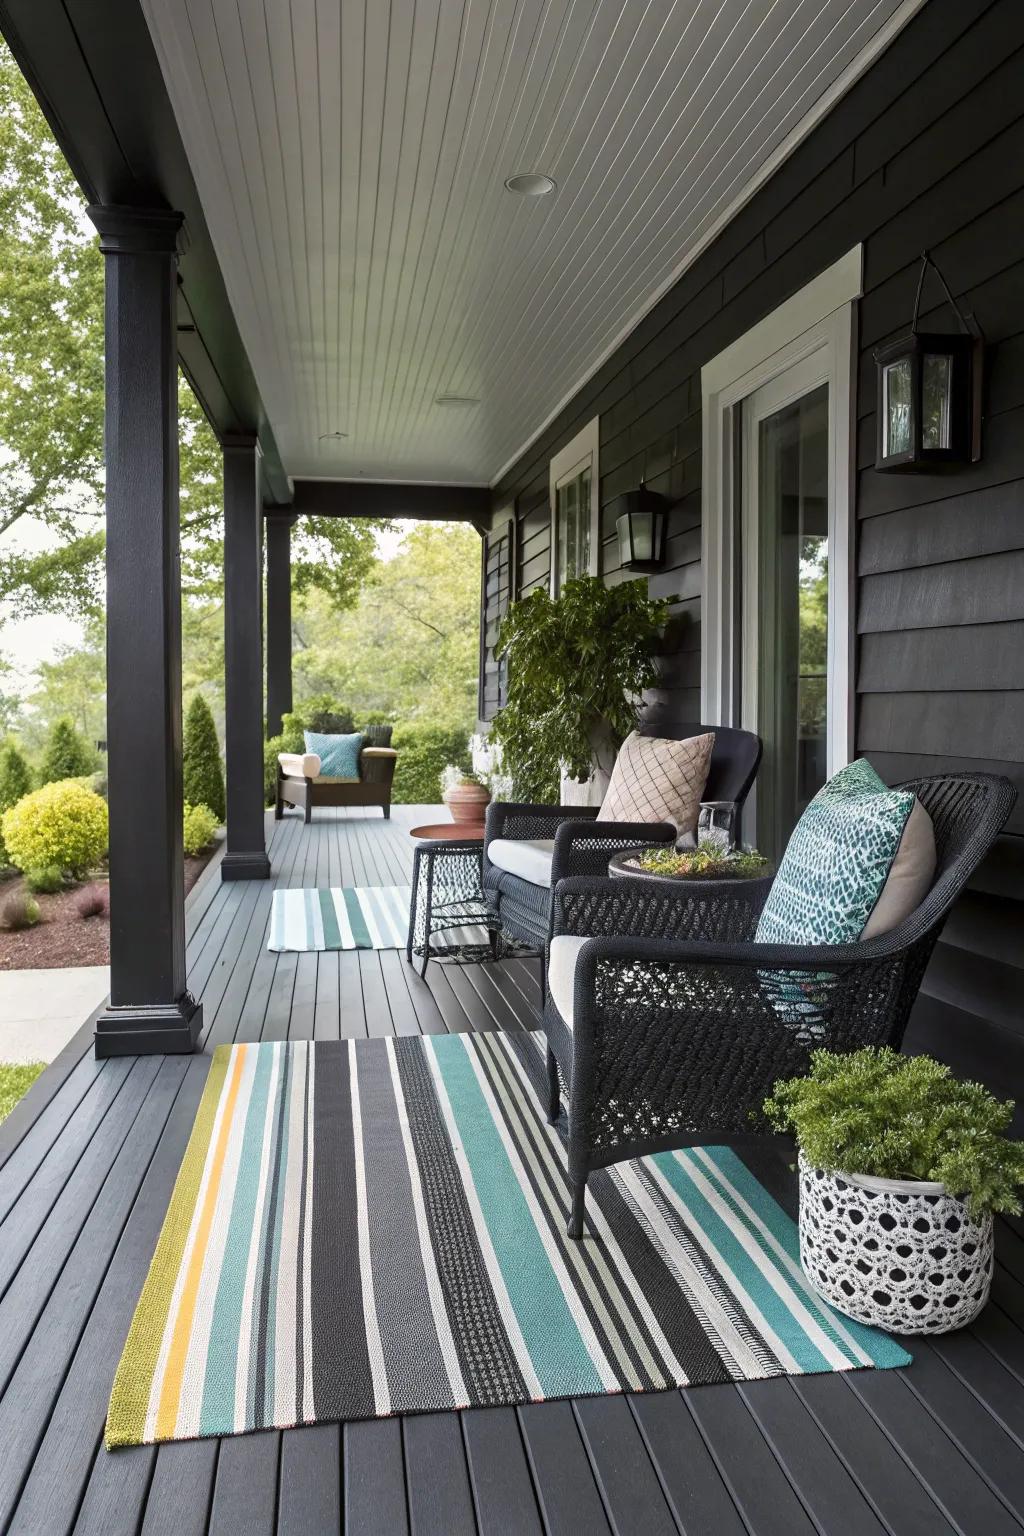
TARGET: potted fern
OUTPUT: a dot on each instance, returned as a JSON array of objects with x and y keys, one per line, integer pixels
[
  {"x": 578, "y": 666},
  {"x": 901, "y": 1168}
]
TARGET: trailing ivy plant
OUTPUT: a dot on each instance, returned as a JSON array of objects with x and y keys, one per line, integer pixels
[
  {"x": 903, "y": 1117},
  {"x": 577, "y": 667}
]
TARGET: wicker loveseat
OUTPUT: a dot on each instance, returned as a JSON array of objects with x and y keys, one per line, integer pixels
[
  {"x": 668, "y": 1025},
  {"x": 299, "y": 782}
]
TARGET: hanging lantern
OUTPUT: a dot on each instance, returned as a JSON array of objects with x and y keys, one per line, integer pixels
[
  {"x": 640, "y": 523},
  {"x": 929, "y": 392}
]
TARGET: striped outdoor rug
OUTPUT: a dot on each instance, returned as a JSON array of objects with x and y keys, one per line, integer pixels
[
  {"x": 376, "y": 1227},
  {"x": 348, "y": 917}
]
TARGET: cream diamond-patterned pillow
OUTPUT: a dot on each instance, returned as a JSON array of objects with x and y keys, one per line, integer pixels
[{"x": 655, "y": 779}]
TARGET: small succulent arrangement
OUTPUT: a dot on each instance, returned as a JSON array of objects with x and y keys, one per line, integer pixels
[
  {"x": 877, "y": 1112},
  {"x": 707, "y": 862}
]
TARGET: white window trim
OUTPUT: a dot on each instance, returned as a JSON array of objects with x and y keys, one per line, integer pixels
[
  {"x": 821, "y": 318},
  {"x": 583, "y": 446}
]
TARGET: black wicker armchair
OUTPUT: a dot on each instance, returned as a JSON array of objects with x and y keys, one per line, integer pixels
[
  {"x": 583, "y": 845},
  {"x": 668, "y": 1025}
]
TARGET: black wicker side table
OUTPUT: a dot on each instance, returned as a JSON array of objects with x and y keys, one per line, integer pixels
[{"x": 447, "y": 867}]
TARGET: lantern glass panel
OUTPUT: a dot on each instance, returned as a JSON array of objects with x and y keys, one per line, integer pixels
[
  {"x": 896, "y": 384},
  {"x": 643, "y": 535},
  {"x": 936, "y": 397}
]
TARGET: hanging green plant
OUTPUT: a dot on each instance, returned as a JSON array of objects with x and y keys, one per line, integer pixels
[{"x": 578, "y": 666}]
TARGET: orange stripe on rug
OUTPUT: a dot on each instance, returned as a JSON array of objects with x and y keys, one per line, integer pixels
[{"x": 170, "y": 1391}]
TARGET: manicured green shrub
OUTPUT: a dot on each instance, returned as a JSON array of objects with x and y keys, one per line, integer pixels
[
  {"x": 201, "y": 764},
  {"x": 46, "y": 881},
  {"x": 15, "y": 781},
  {"x": 200, "y": 827},
  {"x": 903, "y": 1117},
  {"x": 19, "y": 911},
  {"x": 67, "y": 755},
  {"x": 62, "y": 824},
  {"x": 324, "y": 714},
  {"x": 424, "y": 751}
]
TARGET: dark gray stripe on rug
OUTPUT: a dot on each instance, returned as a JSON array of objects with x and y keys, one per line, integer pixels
[{"x": 489, "y": 1367}]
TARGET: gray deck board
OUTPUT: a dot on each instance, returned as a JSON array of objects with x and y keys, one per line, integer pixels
[{"x": 87, "y": 1164}]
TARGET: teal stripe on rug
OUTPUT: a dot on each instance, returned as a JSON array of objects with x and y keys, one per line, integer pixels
[
  {"x": 879, "y": 1347},
  {"x": 559, "y": 1355},
  {"x": 329, "y": 919},
  {"x": 360, "y": 932},
  {"x": 225, "y": 1333},
  {"x": 726, "y": 1245}
]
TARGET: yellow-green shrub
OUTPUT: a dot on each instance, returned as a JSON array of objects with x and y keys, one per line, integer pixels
[
  {"x": 62, "y": 824},
  {"x": 200, "y": 827}
]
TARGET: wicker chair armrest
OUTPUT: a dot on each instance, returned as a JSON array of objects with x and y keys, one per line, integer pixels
[
  {"x": 649, "y": 910},
  {"x": 377, "y": 765},
  {"x": 506, "y": 818},
  {"x": 585, "y": 847}
]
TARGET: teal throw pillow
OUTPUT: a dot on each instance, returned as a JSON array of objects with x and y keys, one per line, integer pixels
[
  {"x": 339, "y": 755},
  {"x": 832, "y": 874}
]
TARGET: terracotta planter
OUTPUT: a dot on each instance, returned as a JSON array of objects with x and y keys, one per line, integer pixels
[{"x": 468, "y": 802}]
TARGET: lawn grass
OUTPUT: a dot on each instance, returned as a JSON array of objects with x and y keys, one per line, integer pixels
[{"x": 16, "y": 1081}]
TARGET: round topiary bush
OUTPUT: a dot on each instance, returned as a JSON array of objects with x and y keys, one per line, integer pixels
[
  {"x": 201, "y": 766},
  {"x": 63, "y": 824},
  {"x": 200, "y": 825}
]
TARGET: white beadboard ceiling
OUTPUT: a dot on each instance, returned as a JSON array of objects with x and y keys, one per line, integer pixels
[{"x": 350, "y": 156}]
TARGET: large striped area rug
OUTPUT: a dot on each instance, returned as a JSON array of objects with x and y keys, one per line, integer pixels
[{"x": 377, "y": 1227}]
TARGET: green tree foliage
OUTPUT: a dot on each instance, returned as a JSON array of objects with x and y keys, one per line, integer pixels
[
  {"x": 15, "y": 782},
  {"x": 203, "y": 774},
  {"x": 408, "y": 649},
  {"x": 67, "y": 756},
  {"x": 72, "y": 684}
]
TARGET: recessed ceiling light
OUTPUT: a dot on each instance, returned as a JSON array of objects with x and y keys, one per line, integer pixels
[
  {"x": 456, "y": 400},
  {"x": 327, "y": 436},
  {"x": 530, "y": 184}
]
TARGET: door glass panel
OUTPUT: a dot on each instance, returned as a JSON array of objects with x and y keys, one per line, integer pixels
[
  {"x": 572, "y": 512},
  {"x": 792, "y": 622}
]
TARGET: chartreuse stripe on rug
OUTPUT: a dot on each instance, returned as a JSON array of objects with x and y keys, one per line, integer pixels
[{"x": 362, "y": 1228}]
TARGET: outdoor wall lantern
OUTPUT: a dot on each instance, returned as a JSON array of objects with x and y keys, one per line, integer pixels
[
  {"x": 640, "y": 524},
  {"x": 929, "y": 392}
]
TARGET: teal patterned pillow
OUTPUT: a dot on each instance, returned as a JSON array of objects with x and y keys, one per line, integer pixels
[
  {"x": 339, "y": 755},
  {"x": 837, "y": 861}
]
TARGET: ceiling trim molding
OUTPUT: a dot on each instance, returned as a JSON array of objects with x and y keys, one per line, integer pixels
[{"x": 821, "y": 108}]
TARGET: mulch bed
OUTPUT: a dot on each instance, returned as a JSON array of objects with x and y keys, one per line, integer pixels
[{"x": 62, "y": 937}]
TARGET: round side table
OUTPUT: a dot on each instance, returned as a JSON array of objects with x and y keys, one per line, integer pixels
[{"x": 447, "y": 870}]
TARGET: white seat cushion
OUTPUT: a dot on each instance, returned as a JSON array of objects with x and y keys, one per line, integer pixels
[
  {"x": 565, "y": 951},
  {"x": 299, "y": 765},
  {"x": 530, "y": 859}
]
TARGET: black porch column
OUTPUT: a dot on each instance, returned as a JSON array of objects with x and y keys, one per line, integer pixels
[
  {"x": 246, "y": 856},
  {"x": 279, "y": 617},
  {"x": 150, "y": 1009}
]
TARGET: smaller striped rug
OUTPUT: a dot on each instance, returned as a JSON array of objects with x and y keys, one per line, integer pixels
[
  {"x": 364, "y": 1228},
  {"x": 346, "y": 917}
]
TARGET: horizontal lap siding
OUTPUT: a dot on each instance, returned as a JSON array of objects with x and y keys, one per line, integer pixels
[{"x": 926, "y": 150}]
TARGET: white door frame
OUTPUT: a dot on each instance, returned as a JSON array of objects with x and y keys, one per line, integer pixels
[
  {"x": 818, "y": 322},
  {"x": 574, "y": 456}
]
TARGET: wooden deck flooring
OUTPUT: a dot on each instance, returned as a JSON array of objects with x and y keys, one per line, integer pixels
[{"x": 87, "y": 1163}]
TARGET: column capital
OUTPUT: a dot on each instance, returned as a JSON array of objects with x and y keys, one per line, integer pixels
[
  {"x": 280, "y": 517},
  {"x": 240, "y": 442},
  {"x": 129, "y": 231}
]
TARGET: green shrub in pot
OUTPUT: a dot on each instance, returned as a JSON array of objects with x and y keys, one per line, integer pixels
[{"x": 901, "y": 1168}]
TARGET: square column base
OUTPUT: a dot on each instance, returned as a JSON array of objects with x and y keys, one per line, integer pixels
[
  {"x": 157, "y": 1029},
  {"x": 245, "y": 866}
]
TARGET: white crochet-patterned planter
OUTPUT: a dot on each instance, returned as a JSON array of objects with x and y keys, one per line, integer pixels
[{"x": 897, "y": 1253}]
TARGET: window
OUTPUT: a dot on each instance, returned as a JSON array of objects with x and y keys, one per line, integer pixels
[{"x": 575, "y": 527}]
